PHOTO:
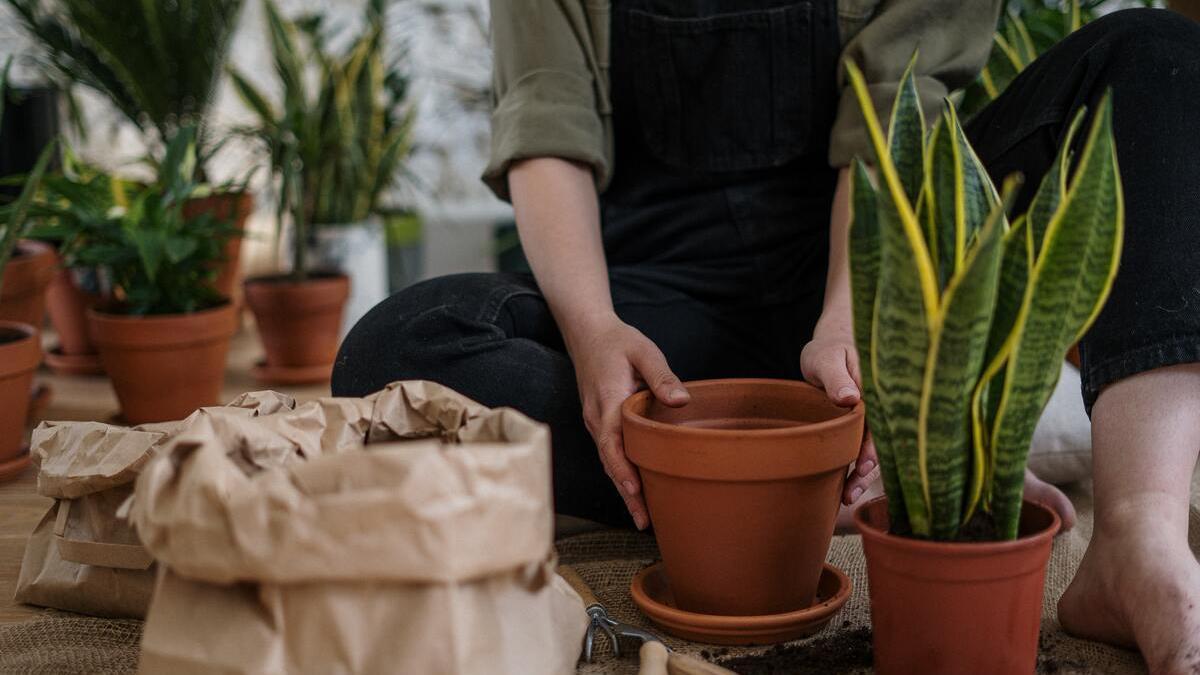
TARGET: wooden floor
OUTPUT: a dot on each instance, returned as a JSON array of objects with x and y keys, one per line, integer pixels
[{"x": 92, "y": 398}]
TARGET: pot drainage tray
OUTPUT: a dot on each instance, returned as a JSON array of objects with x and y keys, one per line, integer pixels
[
  {"x": 270, "y": 374},
  {"x": 653, "y": 596}
]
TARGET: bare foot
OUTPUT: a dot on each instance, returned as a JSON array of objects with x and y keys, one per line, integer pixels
[
  {"x": 1139, "y": 590},
  {"x": 1038, "y": 490}
]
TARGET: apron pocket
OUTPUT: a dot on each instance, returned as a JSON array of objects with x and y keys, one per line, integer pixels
[{"x": 729, "y": 92}]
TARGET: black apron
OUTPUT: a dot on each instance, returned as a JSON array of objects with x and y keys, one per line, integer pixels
[{"x": 721, "y": 112}]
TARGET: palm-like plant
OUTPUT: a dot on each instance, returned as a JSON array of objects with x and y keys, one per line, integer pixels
[
  {"x": 336, "y": 147},
  {"x": 961, "y": 318},
  {"x": 157, "y": 62}
]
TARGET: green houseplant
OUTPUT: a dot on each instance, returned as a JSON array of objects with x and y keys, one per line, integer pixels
[
  {"x": 333, "y": 149},
  {"x": 159, "y": 64},
  {"x": 961, "y": 319},
  {"x": 20, "y": 347},
  {"x": 165, "y": 333}
]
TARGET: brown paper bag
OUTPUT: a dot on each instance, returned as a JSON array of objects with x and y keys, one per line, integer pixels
[
  {"x": 83, "y": 556},
  {"x": 408, "y": 532}
]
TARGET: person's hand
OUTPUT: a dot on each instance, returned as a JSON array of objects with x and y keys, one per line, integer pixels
[
  {"x": 612, "y": 361},
  {"x": 830, "y": 362}
]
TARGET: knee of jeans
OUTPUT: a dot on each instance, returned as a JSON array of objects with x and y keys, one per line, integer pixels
[
  {"x": 397, "y": 339},
  {"x": 1149, "y": 39}
]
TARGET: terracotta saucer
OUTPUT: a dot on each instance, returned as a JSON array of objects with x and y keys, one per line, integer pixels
[
  {"x": 652, "y": 595},
  {"x": 73, "y": 364},
  {"x": 268, "y": 374},
  {"x": 13, "y": 467}
]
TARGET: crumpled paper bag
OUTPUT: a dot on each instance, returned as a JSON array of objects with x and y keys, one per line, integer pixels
[
  {"x": 407, "y": 532},
  {"x": 83, "y": 556}
]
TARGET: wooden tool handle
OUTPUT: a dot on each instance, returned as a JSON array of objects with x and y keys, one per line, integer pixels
[
  {"x": 567, "y": 572},
  {"x": 653, "y": 659},
  {"x": 682, "y": 664}
]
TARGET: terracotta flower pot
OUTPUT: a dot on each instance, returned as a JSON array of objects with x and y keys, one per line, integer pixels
[
  {"x": 743, "y": 486},
  {"x": 20, "y": 354},
  {"x": 298, "y": 323},
  {"x": 67, "y": 304},
  {"x": 28, "y": 273},
  {"x": 166, "y": 366},
  {"x": 956, "y": 607},
  {"x": 235, "y": 206}
]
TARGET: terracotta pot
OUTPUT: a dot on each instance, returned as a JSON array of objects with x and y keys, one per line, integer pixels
[
  {"x": 298, "y": 322},
  {"x": 235, "y": 206},
  {"x": 28, "y": 273},
  {"x": 67, "y": 305},
  {"x": 20, "y": 354},
  {"x": 164, "y": 367},
  {"x": 743, "y": 486},
  {"x": 956, "y": 607}
]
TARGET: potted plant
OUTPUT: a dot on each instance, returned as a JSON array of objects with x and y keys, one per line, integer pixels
[
  {"x": 73, "y": 207},
  {"x": 159, "y": 64},
  {"x": 348, "y": 136},
  {"x": 962, "y": 320},
  {"x": 165, "y": 334},
  {"x": 332, "y": 154},
  {"x": 20, "y": 345}
]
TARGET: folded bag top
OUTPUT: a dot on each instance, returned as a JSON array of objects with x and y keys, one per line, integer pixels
[{"x": 413, "y": 484}]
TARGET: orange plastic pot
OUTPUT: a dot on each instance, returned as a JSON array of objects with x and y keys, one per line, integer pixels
[
  {"x": 743, "y": 486},
  {"x": 956, "y": 607},
  {"x": 235, "y": 207},
  {"x": 298, "y": 322},
  {"x": 20, "y": 354},
  {"x": 28, "y": 273},
  {"x": 164, "y": 367}
]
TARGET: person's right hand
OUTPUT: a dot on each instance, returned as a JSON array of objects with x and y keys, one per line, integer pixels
[{"x": 612, "y": 361}]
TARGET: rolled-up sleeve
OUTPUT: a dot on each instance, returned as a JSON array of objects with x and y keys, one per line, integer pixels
[
  {"x": 544, "y": 92},
  {"x": 954, "y": 38}
]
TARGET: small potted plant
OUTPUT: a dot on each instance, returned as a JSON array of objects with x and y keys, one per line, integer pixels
[
  {"x": 348, "y": 136},
  {"x": 962, "y": 320},
  {"x": 74, "y": 206},
  {"x": 159, "y": 64},
  {"x": 20, "y": 346},
  {"x": 164, "y": 336}
]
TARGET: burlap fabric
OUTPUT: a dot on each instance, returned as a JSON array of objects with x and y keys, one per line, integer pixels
[{"x": 607, "y": 560}]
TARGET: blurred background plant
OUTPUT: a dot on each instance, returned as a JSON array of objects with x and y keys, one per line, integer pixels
[
  {"x": 1027, "y": 28},
  {"x": 158, "y": 63},
  {"x": 337, "y": 146}
]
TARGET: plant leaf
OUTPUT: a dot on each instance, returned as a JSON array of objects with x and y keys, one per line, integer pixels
[
  {"x": 906, "y": 134},
  {"x": 1067, "y": 288},
  {"x": 1053, "y": 187}
]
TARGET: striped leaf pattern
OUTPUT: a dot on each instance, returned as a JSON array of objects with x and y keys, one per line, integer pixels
[
  {"x": 961, "y": 321},
  {"x": 864, "y": 265},
  {"x": 1067, "y": 287}
]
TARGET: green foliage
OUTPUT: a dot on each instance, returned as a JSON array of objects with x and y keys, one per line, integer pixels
[
  {"x": 1026, "y": 30},
  {"x": 158, "y": 62},
  {"x": 158, "y": 261},
  {"x": 16, "y": 215},
  {"x": 962, "y": 320},
  {"x": 334, "y": 147}
]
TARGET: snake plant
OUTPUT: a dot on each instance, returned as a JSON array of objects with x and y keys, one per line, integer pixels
[{"x": 961, "y": 317}]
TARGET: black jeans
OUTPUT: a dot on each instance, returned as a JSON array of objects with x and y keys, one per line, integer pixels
[{"x": 492, "y": 336}]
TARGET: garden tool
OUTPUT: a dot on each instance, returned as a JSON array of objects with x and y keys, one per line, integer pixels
[{"x": 656, "y": 657}]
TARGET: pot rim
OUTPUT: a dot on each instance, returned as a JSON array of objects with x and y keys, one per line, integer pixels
[
  {"x": 956, "y": 549},
  {"x": 848, "y": 418},
  {"x": 95, "y": 312},
  {"x": 23, "y": 354}
]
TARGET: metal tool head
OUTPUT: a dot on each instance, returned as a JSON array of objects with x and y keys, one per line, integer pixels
[{"x": 614, "y": 630}]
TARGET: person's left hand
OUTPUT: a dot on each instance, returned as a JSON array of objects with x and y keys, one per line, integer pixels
[{"x": 830, "y": 362}]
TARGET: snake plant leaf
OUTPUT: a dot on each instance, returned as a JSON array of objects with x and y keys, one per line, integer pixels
[
  {"x": 904, "y": 313},
  {"x": 985, "y": 399},
  {"x": 1054, "y": 186},
  {"x": 906, "y": 134},
  {"x": 1067, "y": 287},
  {"x": 956, "y": 356},
  {"x": 864, "y": 265}
]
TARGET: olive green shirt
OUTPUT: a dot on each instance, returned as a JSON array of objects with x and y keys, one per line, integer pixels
[{"x": 551, "y": 90}]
